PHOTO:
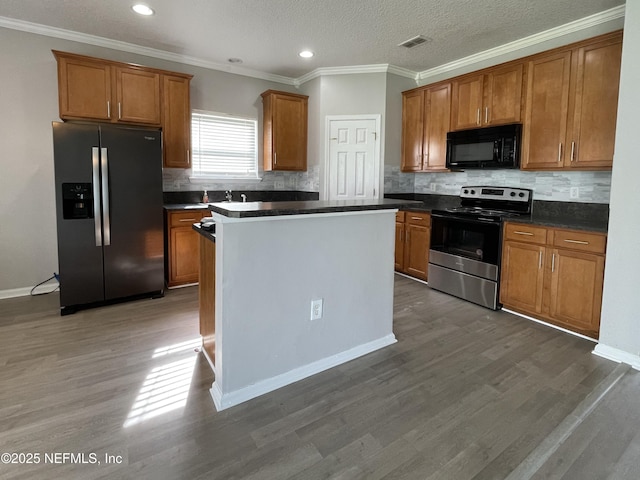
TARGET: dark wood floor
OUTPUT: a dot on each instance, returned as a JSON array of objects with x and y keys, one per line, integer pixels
[{"x": 466, "y": 393}]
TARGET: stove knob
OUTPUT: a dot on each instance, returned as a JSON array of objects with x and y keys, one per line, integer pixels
[
  {"x": 466, "y": 191},
  {"x": 513, "y": 194},
  {"x": 473, "y": 192},
  {"x": 521, "y": 194}
]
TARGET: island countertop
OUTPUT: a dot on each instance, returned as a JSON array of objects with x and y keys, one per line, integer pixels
[{"x": 266, "y": 209}]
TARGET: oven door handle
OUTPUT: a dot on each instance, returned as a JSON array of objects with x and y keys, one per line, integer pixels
[{"x": 476, "y": 221}]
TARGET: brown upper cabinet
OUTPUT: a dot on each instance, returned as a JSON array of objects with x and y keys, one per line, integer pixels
[
  {"x": 571, "y": 106},
  {"x": 489, "y": 97},
  {"x": 176, "y": 121},
  {"x": 426, "y": 116},
  {"x": 284, "y": 131},
  {"x": 102, "y": 90}
]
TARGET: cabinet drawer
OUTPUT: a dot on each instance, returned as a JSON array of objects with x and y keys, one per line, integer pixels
[
  {"x": 577, "y": 240},
  {"x": 400, "y": 217},
  {"x": 525, "y": 233},
  {"x": 185, "y": 218},
  {"x": 418, "y": 218}
]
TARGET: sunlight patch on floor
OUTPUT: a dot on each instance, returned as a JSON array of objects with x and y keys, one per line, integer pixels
[{"x": 166, "y": 387}]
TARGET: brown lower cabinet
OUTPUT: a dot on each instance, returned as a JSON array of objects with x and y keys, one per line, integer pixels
[
  {"x": 207, "y": 295},
  {"x": 413, "y": 231},
  {"x": 182, "y": 257},
  {"x": 554, "y": 274}
]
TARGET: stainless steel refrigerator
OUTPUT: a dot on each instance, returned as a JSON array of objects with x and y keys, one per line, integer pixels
[{"x": 109, "y": 213}]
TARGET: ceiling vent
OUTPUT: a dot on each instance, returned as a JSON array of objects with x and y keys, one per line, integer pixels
[{"x": 415, "y": 41}]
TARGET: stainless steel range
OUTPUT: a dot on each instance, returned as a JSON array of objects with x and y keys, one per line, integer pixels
[{"x": 466, "y": 241}]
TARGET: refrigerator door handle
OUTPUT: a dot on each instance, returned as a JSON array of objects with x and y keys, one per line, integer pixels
[
  {"x": 104, "y": 164},
  {"x": 97, "y": 215}
]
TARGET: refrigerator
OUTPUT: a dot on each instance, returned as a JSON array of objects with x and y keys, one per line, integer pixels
[{"x": 108, "y": 184}]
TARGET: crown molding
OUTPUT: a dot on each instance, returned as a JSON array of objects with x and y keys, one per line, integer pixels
[
  {"x": 532, "y": 40},
  {"x": 137, "y": 49}
]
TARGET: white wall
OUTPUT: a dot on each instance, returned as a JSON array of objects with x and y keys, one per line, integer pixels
[
  {"x": 620, "y": 324},
  {"x": 29, "y": 98},
  {"x": 264, "y": 336}
]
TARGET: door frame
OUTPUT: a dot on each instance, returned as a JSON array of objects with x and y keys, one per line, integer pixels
[{"x": 377, "y": 160}]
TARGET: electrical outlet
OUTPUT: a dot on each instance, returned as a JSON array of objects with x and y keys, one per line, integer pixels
[
  {"x": 433, "y": 186},
  {"x": 574, "y": 192},
  {"x": 316, "y": 309},
  {"x": 279, "y": 185}
]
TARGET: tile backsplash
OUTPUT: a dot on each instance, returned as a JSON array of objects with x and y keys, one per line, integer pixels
[
  {"x": 592, "y": 187},
  {"x": 177, "y": 180}
]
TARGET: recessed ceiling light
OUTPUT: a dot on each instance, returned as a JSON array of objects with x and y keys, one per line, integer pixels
[
  {"x": 142, "y": 9},
  {"x": 234, "y": 60},
  {"x": 306, "y": 54}
]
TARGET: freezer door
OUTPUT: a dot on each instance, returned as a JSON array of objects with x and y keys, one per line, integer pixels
[
  {"x": 75, "y": 150},
  {"x": 131, "y": 171}
]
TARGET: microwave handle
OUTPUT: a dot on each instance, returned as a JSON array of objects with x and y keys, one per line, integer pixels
[{"x": 497, "y": 149}]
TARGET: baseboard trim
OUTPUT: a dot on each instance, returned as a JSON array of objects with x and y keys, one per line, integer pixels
[
  {"x": 546, "y": 324},
  {"x": 617, "y": 355},
  {"x": 15, "y": 292},
  {"x": 223, "y": 401}
]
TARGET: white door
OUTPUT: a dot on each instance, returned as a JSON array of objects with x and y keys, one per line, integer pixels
[{"x": 353, "y": 163}]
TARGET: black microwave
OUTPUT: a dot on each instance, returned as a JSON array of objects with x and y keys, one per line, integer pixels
[{"x": 491, "y": 147}]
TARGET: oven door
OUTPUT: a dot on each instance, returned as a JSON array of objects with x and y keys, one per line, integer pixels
[{"x": 465, "y": 244}]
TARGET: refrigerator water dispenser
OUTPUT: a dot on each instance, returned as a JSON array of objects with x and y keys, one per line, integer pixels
[{"x": 77, "y": 201}]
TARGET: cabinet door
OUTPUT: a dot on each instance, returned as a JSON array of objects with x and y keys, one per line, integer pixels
[
  {"x": 184, "y": 255},
  {"x": 399, "y": 260},
  {"x": 207, "y": 296},
  {"x": 289, "y": 117},
  {"x": 545, "y": 127},
  {"x": 137, "y": 96},
  {"x": 522, "y": 276},
  {"x": 416, "y": 250},
  {"x": 176, "y": 122},
  {"x": 576, "y": 289},
  {"x": 413, "y": 106},
  {"x": 591, "y": 140},
  {"x": 84, "y": 89},
  {"x": 437, "y": 123},
  {"x": 503, "y": 95},
  {"x": 467, "y": 102}
]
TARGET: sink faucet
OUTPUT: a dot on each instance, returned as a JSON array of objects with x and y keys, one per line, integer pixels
[
  {"x": 228, "y": 195},
  {"x": 244, "y": 197}
]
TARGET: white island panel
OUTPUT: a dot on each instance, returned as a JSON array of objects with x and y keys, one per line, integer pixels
[{"x": 270, "y": 269}]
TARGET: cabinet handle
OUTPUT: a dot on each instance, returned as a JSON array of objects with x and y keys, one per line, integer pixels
[
  {"x": 119, "y": 111},
  {"x": 540, "y": 260},
  {"x": 573, "y": 149},
  {"x": 108, "y": 109},
  {"x": 416, "y": 218},
  {"x": 560, "y": 152},
  {"x": 478, "y": 117},
  {"x": 579, "y": 242},
  {"x": 553, "y": 262},
  {"x": 187, "y": 219},
  {"x": 188, "y": 156},
  {"x": 486, "y": 115},
  {"x": 275, "y": 158},
  {"x": 523, "y": 233}
]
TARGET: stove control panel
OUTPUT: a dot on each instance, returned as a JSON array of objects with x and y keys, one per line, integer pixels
[{"x": 496, "y": 193}]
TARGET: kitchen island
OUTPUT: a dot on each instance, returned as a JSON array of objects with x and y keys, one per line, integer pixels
[{"x": 294, "y": 288}]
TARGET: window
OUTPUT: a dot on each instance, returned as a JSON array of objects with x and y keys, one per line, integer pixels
[{"x": 223, "y": 146}]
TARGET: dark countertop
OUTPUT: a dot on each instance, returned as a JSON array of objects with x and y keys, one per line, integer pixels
[
  {"x": 208, "y": 235},
  {"x": 268, "y": 209},
  {"x": 187, "y": 206},
  {"x": 592, "y": 217}
]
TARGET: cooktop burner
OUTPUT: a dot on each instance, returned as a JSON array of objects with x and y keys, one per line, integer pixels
[{"x": 494, "y": 201}]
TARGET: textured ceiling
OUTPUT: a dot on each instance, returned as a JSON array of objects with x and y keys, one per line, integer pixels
[{"x": 268, "y": 34}]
